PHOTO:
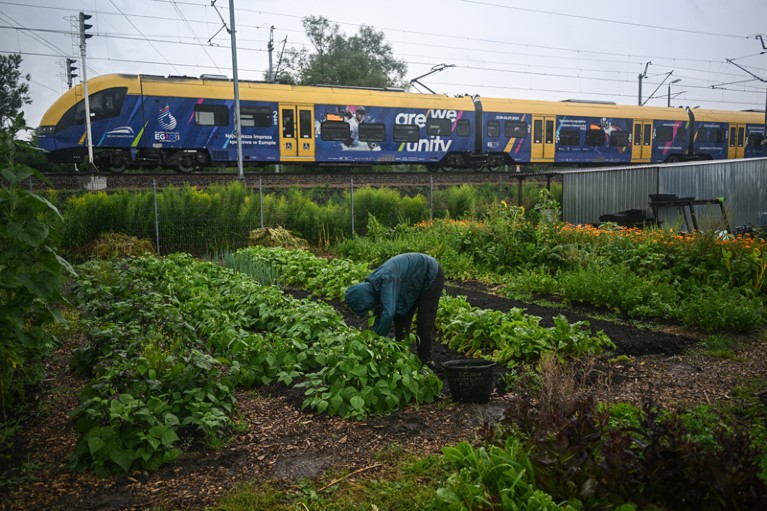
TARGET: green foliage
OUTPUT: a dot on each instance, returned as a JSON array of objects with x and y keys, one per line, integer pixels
[
  {"x": 512, "y": 337},
  {"x": 493, "y": 477},
  {"x": 31, "y": 273},
  {"x": 15, "y": 87},
  {"x": 363, "y": 59},
  {"x": 722, "y": 310}
]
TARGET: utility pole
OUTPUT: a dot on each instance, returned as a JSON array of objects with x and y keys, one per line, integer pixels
[
  {"x": 237, "y": 123},
  {"x": 83, "y": 37},
  {"x": 642, "y": 76},
  {"x": 270, "y": 47}
]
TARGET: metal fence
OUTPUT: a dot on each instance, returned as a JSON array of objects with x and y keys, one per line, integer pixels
[{"x": 741, "y": 184}]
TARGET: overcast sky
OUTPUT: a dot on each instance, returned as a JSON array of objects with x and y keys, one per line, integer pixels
[{"x": 554, "y": 50}]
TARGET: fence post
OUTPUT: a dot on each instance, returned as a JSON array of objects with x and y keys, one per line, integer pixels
[
  {"x": 352, "y": 199},
  {"x": 156, "y": 218},
  {"x": 261, "y": 200},
  {"x": 500, "y": 187},
  {"x": 431, "y": 198}
]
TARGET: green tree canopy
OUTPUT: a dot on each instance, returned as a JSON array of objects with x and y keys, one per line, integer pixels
[
  {"x": 14, "y": 89},
  {"x": 364, "y": 59}
]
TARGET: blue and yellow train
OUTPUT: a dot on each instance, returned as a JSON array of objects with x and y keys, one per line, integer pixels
[{"x": 188, "y": 124}]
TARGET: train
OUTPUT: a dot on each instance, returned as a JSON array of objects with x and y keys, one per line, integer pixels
[{"x": 188, "y": 124}]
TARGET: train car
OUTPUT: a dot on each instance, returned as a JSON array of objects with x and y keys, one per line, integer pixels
[{"x": 188, "y": 124}]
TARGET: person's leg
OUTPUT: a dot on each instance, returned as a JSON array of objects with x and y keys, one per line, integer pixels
[
  {"x": 402, "y": 325},
  {"x": 427, "y": 316}
]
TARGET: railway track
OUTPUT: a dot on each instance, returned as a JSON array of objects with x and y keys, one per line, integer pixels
[{"x": 81, "y": 181}]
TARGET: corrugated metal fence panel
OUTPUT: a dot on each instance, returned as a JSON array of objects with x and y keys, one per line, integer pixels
[
  {"x": 588, "y": 194},
  {"x": 741, "y": 183}
]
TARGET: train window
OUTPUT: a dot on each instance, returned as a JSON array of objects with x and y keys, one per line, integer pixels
[
  {"x": 569, "y": 137},
  {"x": 664, "y": 134},
  {"x": 372, "y": 132},
  {"x": 619, "y": 139},
  {"x": 211, "y": 115},
  {"x": 288, "y": 123},
  {"x": 681, "y": 135},
  {"x": 537, "y": 131},
  {"x": 439, "y": 127},
  {"x": 338, "y": 131},
  {"x": 647, "y": 140},
  {"x": 717, "y": 135},
  {"x": 406, "y": 133},
  {"x": 549, "y": 132},
  {"x": 732, "y": 137},
  {"x": 463, "y": 128},
  {"x": 754, "y": 140},
  {"x": 702, "y": 136},
  {"x": 256, "y": 116},
  {"x": 305, "y": 123},
  {"x": 515, "y": 129},
  {"x": 493, "y": 129},
  {"x": 741, "y": 133},
  {"x": 637, "y": 133},
  {"x": 595, "y": 137}
]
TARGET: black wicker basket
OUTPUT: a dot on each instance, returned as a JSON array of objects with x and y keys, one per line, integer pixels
[{"x": 470, "y": 380}]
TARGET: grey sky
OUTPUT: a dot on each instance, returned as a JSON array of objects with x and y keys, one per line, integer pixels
[{"x": 550, "y": 50}]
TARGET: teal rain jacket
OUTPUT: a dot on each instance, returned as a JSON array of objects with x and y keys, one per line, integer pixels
[{"x": 393, "y": 288}]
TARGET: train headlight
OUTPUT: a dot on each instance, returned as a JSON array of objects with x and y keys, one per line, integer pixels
[{"x": 46, "y": 130}]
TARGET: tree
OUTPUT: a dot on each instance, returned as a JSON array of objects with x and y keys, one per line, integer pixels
[
  {"x": 14, "y": 89},
  {"x": 363, "y": 59}
]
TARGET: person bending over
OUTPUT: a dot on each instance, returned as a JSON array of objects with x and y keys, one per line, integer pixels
[{"x": 395, "y": 291}]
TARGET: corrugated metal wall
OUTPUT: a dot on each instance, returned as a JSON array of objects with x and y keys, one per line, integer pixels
[{"x": 588, "y": 194}]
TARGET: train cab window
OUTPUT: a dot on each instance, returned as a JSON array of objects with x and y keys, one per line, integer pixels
[
  {"x": 515, "y": 129},
  {"x": 103, "y": 105},
  {"x": 664, "y": 134},
  {"x": 569, "y": 137},
  {"x": 619, "y": 139},
  {"x": 463, "y": 128},
  {"x": 372, "y": 132},
  {"x": 338, "y": 131},
  {"x": 406, "y": 133},
  {"x": 595, "y": 137},
  {"x": 439, "y": 127},
  {"x": 537, "y": 131},
  {"x": 741, "y": 134},
  {"x": 637, "y": 133},
  {"x": 754, "y": 140},
  {"x": 732, "y": 137},
  {"x": 493, "y": 128},
  {"x": 211, "y": 115},
  {"x": 256, "y": 116}
]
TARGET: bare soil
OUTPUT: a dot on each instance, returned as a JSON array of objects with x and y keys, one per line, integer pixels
[{"x": 285, "y": 444}]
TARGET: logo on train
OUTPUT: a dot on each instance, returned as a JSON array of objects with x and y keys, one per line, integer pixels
[{"x": 167, "y": 122}]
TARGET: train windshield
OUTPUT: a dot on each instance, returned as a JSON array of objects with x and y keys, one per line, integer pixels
[{"x": 104, "y": 104}]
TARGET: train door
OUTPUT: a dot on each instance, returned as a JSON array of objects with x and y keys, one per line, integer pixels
[
  {"x": 736, "y": 141},
  {"x": 642, "y": 141},
  {"x": 543, "y": 139},
  {"x": 297, "y": 132}
]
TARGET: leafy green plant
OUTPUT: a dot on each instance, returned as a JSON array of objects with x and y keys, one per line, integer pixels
[{"x": 31, "y": 273}]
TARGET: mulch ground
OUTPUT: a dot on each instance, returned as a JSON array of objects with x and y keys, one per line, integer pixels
[{"x": 284, "y": 444}]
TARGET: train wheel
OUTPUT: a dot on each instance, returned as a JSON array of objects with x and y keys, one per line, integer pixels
[
  {"x": 452, "y": 162},
  {"x": 117, "y": 163},
  {"x": 432, "y": 167},
  {"x": 494, "y": 163},
  {"x": 186, "y": 164}
]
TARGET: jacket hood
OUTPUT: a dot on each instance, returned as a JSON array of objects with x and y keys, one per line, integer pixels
[{"x": 361, "y": 298}]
